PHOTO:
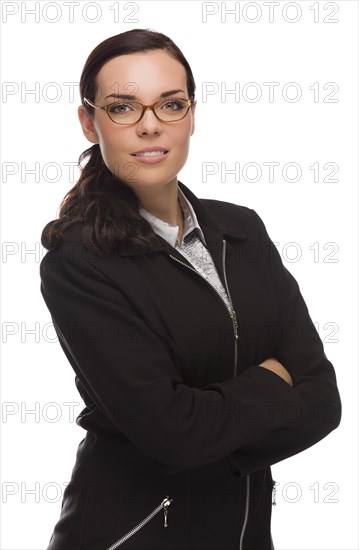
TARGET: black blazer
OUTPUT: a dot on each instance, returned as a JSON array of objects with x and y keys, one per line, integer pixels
[{"x": 182, "y": 424}]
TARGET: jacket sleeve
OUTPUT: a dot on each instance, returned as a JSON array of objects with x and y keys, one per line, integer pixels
[
  {"x": 123, "y": 362},
  {"x": 314, "y": 381}
]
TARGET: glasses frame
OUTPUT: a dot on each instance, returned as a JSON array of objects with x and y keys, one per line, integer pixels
[{"x": 106, "y": 108}]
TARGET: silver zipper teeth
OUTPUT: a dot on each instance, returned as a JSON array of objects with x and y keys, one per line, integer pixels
[
  {"x": 164, "y": 504},
  {"x": 235, "y": 325},
  {"x": 274, "y": 491},
  {"x": 245, "y": 514},
  {"x": 233, "y": 313}
]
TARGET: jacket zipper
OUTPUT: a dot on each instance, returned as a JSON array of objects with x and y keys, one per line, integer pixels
[
  {"x": 233, "y": 316},
  {"x": 231, "y": 311},
  {"x": 164, "y": 504}
]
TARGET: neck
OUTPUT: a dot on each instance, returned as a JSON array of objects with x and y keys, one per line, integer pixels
[{"x": 163, "y": 203}]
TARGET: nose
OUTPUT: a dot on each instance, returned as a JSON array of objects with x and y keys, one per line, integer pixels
[{"x": 149, "y": 123}]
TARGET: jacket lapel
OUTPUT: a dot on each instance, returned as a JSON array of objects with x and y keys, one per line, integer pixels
[{"x": 214, "y": 232}]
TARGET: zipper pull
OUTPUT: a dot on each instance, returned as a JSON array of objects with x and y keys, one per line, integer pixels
[
  {"x": 274, "y": 490},
  {"x": 167, "y": 501}
]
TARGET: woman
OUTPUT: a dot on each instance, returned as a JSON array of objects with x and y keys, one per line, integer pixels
[{"x": 193, "y": 348}]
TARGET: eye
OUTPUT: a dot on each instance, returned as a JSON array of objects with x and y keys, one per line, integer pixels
[
  {"x": 174, "y": 105},
  {"x": 119, "y": 108}
]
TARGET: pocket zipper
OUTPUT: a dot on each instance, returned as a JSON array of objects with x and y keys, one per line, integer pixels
[
  {"x": 164, "y": 504},
  {"x": 274, "y": 490},
  {"x": 245, "y": 512}
]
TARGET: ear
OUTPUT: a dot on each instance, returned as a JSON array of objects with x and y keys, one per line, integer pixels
[
  {"x": 193, "y": 109},
  {"x": 87, "y": 124}
]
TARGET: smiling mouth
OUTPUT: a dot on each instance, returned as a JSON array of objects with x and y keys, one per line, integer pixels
[{"x": 150, "y": 154}]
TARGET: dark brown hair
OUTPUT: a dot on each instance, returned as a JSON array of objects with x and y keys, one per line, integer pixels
[{"x": 102, "y": 202}]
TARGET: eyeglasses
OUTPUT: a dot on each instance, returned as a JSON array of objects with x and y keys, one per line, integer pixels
[{"x": 130, "y": 112}]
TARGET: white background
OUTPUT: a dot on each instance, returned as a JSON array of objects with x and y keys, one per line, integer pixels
[{"x": 315, "y": 52}]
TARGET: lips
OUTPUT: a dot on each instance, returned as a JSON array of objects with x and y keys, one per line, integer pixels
[{"x": 150, "y": 151}]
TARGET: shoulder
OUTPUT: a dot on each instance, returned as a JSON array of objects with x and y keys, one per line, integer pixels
[
  {"x": 235, "y": 217},
  {"x": 69, "y": 253},
  {"x": 70, "y": 234},
  {"x": 225, "y": 208}
]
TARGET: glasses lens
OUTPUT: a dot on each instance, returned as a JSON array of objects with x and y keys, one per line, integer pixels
[
  {"x": 130, "y": 112},
  {"x": 125, "y": 112},
  {"x": 171, "y": 109}
]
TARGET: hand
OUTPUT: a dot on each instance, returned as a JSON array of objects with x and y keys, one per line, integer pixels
[{"x": 275, "y": 366}]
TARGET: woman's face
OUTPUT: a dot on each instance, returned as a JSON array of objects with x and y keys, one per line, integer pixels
[{"x": 150, "y": 74}]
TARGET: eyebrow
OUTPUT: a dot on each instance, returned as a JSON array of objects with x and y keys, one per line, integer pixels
[{"x": 128, "y": 96}]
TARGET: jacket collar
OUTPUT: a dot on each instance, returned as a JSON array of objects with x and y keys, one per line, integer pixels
[{"x": 214, "y": 231}]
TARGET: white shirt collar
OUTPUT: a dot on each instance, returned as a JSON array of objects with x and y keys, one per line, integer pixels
[{"x": 168, "y": 231}]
